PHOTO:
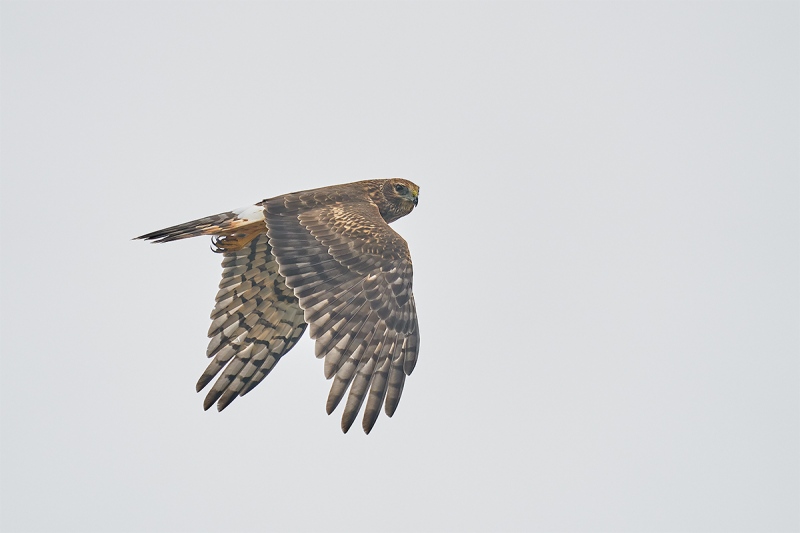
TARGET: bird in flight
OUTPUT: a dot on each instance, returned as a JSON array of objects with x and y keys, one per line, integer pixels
[{"x": 324, "y": 259}]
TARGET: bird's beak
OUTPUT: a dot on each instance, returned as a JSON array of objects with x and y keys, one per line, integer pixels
[{"x": 416, "y": 200}]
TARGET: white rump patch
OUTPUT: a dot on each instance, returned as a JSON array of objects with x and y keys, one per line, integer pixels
[{"x": 251, "y": 213}]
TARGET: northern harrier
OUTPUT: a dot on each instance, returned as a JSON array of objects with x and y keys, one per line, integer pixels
[{"x": 325, "y": 258}]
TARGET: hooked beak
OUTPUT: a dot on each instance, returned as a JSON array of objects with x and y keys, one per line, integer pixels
[{"x": 416, "y": 200}]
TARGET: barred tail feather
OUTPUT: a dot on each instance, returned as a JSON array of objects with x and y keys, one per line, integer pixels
[{"x": 236, "y": 227}]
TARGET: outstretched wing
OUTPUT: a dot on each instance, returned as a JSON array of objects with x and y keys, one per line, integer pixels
[
  {"x": 352, "y": 275},
  {"x": 256, "y": 320}
]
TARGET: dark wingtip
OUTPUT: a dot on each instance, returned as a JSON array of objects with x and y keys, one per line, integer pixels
[
  {"x": 209, "y": 401},
  {"x": 332, "y": 403},
  {"x": 347, "y": 423},
  {"x": 226, "y": 400},
  {"x": 202, "y": 382}
]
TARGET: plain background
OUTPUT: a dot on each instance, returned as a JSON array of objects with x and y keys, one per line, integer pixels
[{"x": 605, "y": 250}]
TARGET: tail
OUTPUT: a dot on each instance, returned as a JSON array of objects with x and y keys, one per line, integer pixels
[{"x": 231, "y": 230}]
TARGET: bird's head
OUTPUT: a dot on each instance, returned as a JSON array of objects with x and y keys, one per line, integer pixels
[{"x": 401, "y": 196}]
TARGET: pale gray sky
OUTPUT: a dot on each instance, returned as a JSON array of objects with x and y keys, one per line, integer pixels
[{"x": 606, "y": 258}]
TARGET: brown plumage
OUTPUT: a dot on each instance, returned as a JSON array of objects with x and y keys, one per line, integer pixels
[{"x": 324, "y": 258}]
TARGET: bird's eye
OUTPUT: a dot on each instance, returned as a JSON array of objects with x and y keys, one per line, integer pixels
[{"x": 399, "y": 188}]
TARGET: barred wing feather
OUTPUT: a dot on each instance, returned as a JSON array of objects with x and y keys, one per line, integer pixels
[
  {"x": 256, "y": 320},
  {"x": 352, "y": 275}
]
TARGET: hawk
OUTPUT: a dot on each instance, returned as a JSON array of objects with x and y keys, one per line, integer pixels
[{"x": 324, "y": 259}]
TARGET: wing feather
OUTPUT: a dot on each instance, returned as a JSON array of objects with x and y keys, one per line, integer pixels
[
  {"x": 344, "y": 376},
  {"x": 352, "y": 276},
  {"x": 256, "y": 320},
  {"x": 396, "y": 380},
  {"x": 380, "y": 380}
]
